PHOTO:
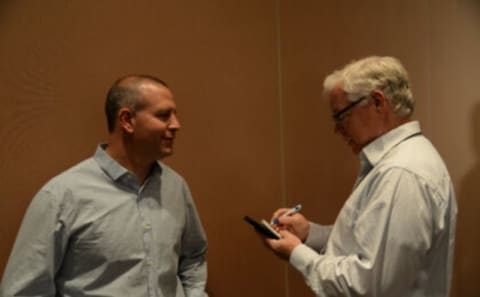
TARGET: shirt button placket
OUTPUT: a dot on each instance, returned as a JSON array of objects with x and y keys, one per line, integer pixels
[{"x": 147, "y": 238}]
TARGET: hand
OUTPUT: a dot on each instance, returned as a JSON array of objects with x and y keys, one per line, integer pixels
[
  {"x": 296, "y": 223},
  {"x": 284, "y": 246}
]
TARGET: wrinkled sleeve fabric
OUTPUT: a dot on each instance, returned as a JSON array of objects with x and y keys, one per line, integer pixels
[
  {"x": 318, "y": 236},
  {"x": 38, "y": 250},
  {"x": 193, "y": 264},
  {"x": 391, "y": 234}
]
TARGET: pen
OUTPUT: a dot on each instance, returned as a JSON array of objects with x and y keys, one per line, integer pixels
[{"x": 289, "y": 212}]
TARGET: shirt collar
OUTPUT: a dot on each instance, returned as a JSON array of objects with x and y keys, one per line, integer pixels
[
  {"x": 116, "y": 171},
  {"x": 377, "y": 149}
]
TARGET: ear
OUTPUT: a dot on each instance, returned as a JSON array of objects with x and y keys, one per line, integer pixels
[
  {"x": 379, "y": 99},
  {"x": 126, "y": 119}
]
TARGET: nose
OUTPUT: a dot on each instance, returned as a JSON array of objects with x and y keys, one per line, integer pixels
[
  {"x": 337, "y": 128},
  {"x": 174, "y": 122}
]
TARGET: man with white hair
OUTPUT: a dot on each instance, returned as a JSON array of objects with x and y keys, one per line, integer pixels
[{"x": 395, "y": 233}]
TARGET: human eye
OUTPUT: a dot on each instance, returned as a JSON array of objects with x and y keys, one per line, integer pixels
[{"x": 164, "y": 115}]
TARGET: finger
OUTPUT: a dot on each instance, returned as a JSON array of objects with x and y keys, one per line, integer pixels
[
  {"x": 288, "y": 220},
  {"x": 279, "y": 212},
  {"x": 285, "y": 233},
  {"x": 271, "y": 243}
]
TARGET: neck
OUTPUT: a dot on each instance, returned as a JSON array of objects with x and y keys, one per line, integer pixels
[
  {"x": 125, "y": 155},
  {"x": 400, "y": 121},
  {"x": 393, "y": 121},
  {"x": 388, "y": 125}
]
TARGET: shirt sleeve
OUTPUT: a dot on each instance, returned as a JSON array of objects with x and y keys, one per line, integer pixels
[
  {"x": 318, "y": 236},
  {"x": 391, "y": 235},
  {"x": 38, "y": 250},
  {"x": 193, "y": 265}
]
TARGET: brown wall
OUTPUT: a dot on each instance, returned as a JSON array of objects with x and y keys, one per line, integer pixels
[{"x": 247, "y": 79}]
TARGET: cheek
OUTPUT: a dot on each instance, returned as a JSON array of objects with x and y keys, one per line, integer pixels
[
  {"x": 157, "y": 128},
  {"x": 357, "y": 134}
]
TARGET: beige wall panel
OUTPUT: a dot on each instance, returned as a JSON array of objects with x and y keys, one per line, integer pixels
[
  {"x": 456, "y": 121},
  {"x": 56, "y": 62}
]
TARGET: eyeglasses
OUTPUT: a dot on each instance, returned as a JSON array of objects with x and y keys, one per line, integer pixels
[{"x": 342, "y": 113}]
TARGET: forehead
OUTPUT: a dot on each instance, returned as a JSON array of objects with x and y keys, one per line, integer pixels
[
  {"x": 156, "y": 95},
  {"x": 337, "y": 99}
]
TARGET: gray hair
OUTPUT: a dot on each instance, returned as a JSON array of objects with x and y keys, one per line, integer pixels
[{"x": 361, "y": 77}]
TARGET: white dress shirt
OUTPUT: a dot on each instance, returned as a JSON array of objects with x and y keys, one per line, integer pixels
[{"x": 395, "y": 234}]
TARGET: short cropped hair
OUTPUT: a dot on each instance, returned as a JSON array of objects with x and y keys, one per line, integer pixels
[
  {"x": 361, "y": 77},
  {"x": 125, "y": 92}
]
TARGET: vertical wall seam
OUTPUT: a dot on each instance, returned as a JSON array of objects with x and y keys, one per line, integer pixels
[
  {"x": 283, "y": 185},
  {"x": 430, "y": 65}
]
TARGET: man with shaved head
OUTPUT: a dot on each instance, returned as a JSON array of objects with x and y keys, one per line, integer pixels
[{"x": 121, "y": 223}]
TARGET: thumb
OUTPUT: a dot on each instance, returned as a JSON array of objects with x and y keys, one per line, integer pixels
[{"x": 288, "y": 220}]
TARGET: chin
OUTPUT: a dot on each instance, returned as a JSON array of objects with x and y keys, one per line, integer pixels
[
  {"x": 356, "y": 149},
  {"x": 166, "y": 153}
]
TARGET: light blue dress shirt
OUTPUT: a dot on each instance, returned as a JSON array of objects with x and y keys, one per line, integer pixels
[
  {"x": 93, "y": 231},
  {"x": 395, "y": 234}
]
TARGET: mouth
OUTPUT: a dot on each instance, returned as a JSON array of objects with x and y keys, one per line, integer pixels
[
  {"x": 351, "y": 143},
  {"x": 168, "y": 141}
]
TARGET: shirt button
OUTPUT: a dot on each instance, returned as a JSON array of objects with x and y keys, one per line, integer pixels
[{"x": 147, "y": 226}]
